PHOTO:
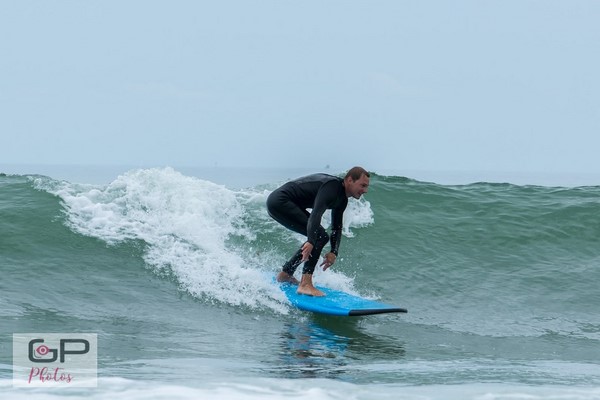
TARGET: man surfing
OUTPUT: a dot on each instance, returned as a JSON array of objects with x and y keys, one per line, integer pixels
[{"x": 287, "y": 205}]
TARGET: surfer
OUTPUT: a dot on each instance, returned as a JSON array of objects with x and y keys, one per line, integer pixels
[{"x": 288, "y": 206}]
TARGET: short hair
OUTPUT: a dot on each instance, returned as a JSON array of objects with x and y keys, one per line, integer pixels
[{"x": 356, "y": 172}]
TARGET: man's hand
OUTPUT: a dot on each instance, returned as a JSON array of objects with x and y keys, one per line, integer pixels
[
  {"x": 328, "y": 260},
  {"x": 307, "y": 248}
]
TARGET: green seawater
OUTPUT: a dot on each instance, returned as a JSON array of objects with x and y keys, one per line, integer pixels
[{"x": 171, "y": 271}]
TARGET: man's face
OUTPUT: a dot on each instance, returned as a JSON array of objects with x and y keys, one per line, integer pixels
[{"x": 358, "y": 187}]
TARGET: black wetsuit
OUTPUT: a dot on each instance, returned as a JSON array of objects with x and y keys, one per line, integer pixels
[{"x": 288, "y": 204}]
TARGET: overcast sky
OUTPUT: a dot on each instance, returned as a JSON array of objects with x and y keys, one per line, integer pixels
[{"x": 511, "y": 85}]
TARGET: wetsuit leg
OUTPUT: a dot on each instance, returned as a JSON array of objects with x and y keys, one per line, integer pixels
[
  {"x": 322, "y": 239},
  {"x": 288, "y": 214},
  {"x": 290, "y": 266}
]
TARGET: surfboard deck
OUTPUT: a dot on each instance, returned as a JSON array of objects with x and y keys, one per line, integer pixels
[{"x": 336, "y": 302}]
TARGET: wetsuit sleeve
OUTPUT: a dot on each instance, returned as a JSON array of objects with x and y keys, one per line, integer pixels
[{"x": 327, "y": 195}]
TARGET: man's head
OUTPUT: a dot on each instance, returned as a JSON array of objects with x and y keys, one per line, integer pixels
[{"x": 356, "y": 182}]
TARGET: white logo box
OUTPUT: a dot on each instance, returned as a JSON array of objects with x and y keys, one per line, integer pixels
[{"x": 55, "y": 360}]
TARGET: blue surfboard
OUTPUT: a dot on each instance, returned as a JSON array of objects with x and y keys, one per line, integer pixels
[{"x": 336, "y": 302}]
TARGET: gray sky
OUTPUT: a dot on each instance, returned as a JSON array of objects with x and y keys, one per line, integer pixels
[{"x": 510, "y": 85}]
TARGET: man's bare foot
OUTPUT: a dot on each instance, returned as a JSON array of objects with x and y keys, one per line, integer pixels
[
  {"x": 307, "y": 287},
  {"x": 285, "y": 277},
  {"x": 310, "y": 291}
]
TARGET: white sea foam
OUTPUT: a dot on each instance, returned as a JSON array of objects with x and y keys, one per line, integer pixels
[
  {"x": 317, "y": 389},
  {"x": 185, "y": 224}
]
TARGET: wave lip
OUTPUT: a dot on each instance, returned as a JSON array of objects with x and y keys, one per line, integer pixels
[{"x": 184, "y": 223}]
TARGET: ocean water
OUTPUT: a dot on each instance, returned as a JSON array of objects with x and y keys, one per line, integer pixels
[{"x": 171, "y": 271}]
